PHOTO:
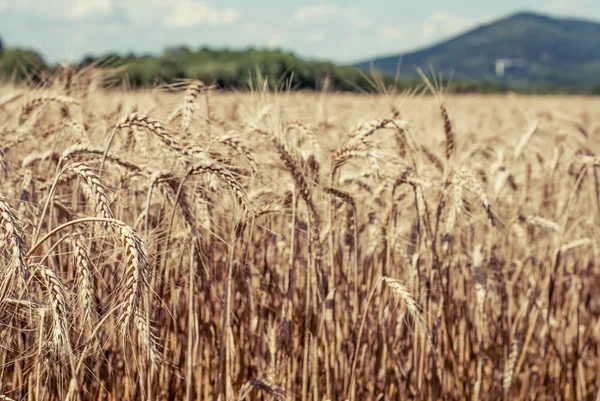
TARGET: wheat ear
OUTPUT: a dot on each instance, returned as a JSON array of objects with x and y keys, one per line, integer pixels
[
  {"x": 262, "y": 385},
  {"x": 56, "y": 292},
  {"x": 11, "y": 228},
  {"x": 85, "y": 284},
  {"x": 137, "y": 275}
]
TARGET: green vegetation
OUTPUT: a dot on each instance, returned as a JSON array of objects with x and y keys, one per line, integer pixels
[
  {"x": 226, "y": 68},
  {"x": 19, "y": 65}
]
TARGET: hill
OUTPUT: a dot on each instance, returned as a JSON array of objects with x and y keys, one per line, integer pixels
[{"x": 522, "y": 49}]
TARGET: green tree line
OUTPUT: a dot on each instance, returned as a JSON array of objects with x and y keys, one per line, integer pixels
[
  {"x": 227, "y": 69},
  {"x": 235, "y": 69},
  {"x": 230, "y": 69}
]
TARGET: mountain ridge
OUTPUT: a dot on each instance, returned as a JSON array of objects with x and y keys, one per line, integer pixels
[{"x": 556, "y": 51}]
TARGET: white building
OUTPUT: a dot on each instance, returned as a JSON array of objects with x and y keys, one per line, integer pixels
[{"x": 503, "y": 65}]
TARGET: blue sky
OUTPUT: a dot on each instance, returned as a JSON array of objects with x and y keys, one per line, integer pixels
[{"x": 341, "y": 31}]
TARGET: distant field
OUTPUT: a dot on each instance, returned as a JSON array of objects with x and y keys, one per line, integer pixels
[{"x": 205, "y": 245}]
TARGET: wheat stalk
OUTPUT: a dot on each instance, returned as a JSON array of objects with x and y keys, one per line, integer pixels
[
  {"x": 137, "y": 274},
  {"x": 94, "y": 190},
  {"x": 509, "y": 368},
  {"x": 34, "y": 103},
  {"x": 57, "y": 298},
  {"x": 211, "y": 166},
  {"x": 262, "y": 385},
  {"x": 11, "y": 228},
  {"x": 191, "y": 93},
  {"x": 85, "y": 284}
]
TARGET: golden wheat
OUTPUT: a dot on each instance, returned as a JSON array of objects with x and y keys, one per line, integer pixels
[{"x": 264, "y": 248}]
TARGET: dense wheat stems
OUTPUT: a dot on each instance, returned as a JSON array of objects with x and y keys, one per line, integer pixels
[
  {"x": 137, "y": 265},
  {"x": 295, "y": 245}
]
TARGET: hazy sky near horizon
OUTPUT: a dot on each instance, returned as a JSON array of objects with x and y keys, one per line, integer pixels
[{"x": 341, "y": 31}]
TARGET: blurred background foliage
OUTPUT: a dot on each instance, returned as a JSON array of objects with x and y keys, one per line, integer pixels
[{"x": 237, "y": 69}]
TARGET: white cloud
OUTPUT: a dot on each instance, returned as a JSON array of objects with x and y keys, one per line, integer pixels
[
  {"x": 391, "y": 32},
  {"x": 442, "y": 23},
  {"x": 275, "y": 41},
  {"x": 323, "y": 12},
  {"x": 315, "y": 37},
  {"x": 565, "y": 7},
  {"x": 74, "y": 10},
  {"x": 170, "y": 13},
  {"x": 87, "y": 8},
  {"x": 188, "y": 13},
  {"x": 314, "y": 13}
]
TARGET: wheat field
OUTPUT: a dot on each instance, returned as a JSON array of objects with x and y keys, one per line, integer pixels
[{"x": 186, "y": 243}]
